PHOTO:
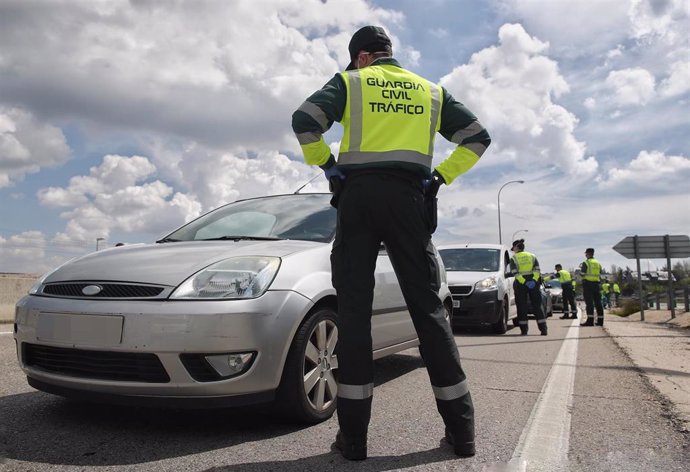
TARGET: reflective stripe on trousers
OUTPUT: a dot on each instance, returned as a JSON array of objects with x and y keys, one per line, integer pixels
[
  {"x": 355, "y": 392},
  {"x": 452, "y": 392}
]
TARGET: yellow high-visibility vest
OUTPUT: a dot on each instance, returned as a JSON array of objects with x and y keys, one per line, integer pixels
[
  {"x": 391, "y": 115},
  {"x": 564, "y": 276},
  {"x": 593, "y": 270},
  {"x": 525, "y": 266}
]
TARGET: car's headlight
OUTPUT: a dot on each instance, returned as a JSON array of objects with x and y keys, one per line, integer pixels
[
  {"x": 237, "y": 277},
  {"x": 488, "y": 283}
]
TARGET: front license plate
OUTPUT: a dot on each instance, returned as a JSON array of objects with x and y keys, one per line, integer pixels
[
  {"x": 99, "y": 330},
  {"x": 456, "y": 303}
]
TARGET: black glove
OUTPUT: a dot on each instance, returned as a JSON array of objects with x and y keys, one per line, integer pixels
[{"x": 432, "y": 184}]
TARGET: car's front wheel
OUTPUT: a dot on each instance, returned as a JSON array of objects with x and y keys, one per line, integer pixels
[
  {"x": 309, "y": 386},
  {"x": 501, "y": 325}
]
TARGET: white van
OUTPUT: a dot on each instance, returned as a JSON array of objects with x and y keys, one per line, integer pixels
[{"x": 481, "y": 285}]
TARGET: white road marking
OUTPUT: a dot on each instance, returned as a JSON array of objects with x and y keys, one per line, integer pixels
[
  {"x": 6, "y": 332},
  {"x": 543, "y": 445}
]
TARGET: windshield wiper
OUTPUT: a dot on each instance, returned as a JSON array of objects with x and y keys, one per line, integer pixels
[
  {"x": 242, "y": 238},
  {"x": 168, "y": 240}
]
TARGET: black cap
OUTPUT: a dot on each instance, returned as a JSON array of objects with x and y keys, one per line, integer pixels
[
  {"x": 368, "y": 38},
  {"x": 518, "y": 242}
]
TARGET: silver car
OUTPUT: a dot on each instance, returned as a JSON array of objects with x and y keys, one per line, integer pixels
[{"x": 233, "y": 308}]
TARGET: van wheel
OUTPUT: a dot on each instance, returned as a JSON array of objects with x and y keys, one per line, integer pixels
[
  {"x": 501, "y": 326},
  {"x": 308, "y": 389}
]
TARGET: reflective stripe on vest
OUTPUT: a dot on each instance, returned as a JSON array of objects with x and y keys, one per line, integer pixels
[
  {"x": 525, "y": 265},
  {"x": 390, "y": 115},
  {"x": 355, "y": 392},
  {"x": 452, "y": 392},
  {"x": 593, "y": 270}
]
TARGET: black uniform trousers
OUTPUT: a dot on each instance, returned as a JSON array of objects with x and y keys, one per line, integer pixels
[
  {"x": 592, "y": 296},
  {"x": 373, "y": 208},
  {"x": 569, "y": 298},
  {"x": 522, "y": 294}
]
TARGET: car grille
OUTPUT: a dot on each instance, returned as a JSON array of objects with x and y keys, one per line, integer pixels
[
  {"x": 108, "y": 290},
  {"x": 103, "y": 365},
  {"x": 460, "y": 289}
]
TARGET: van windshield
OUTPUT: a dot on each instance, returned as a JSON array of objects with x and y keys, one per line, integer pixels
[{"x": 471, "y": 259}]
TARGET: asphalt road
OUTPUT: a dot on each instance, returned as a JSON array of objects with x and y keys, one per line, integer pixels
[{"x": 571, "y": 401}]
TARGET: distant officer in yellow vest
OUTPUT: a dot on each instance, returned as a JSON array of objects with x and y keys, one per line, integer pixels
[
  {"x": 606, "y": 294},
  {"x": 591, "y": 275},
  {"x": 566, "y": 281},
  {"x": 385, "y": 191},
  {"x": 527, "y": 286},
  {"x": 616, "y": 292}
]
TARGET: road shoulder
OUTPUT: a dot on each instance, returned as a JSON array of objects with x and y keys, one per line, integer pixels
[{"x": 660, "y": 347}]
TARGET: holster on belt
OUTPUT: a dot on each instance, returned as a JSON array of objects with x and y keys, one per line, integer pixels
[
  {"x": 431, "y": 206},
  {"x": 335, "y": 185}
]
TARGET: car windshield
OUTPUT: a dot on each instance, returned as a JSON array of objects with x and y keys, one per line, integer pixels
[
  {"x": 554, "y": 283},
  {"x": 471, "y": 259},
  {"x": 308, "y": 217}
]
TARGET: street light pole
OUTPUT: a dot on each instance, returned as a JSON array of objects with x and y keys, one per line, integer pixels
[
  {"x": 500, "y": 238},
  {"x": 519, "y": 231},
  {"x": 97, "y": 241}
]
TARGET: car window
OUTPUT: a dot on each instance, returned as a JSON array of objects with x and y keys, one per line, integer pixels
[
  {"x": 242, "y": 223},
  {"x": 471, "y": 259},
  {"x": 307, "y": 217}
]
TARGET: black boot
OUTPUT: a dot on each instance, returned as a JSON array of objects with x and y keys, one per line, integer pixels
[
  {"x": 564, "y": 317},
  {"x": 589, "y": 322},
  {"x": 353, "y": 450},
  {"x": 465, "y": 449}
]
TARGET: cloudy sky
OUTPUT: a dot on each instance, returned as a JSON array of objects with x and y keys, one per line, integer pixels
[{"x": 123, "y": 119}]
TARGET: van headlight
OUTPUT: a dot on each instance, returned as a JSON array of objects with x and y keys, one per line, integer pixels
[
  {"x": 489, "y": 283},
  {"x": 234, "y": 278}
]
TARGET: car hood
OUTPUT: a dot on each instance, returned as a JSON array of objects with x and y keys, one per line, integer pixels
[
  {"x": 167, "y": 263},
  {"x": 466, "y": 277}
]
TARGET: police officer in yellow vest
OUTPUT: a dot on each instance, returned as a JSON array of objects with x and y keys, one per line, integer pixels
[
  {"x": 566, "y": 281},
  {"x": 616, "y": 292},
  {"x": 591, "y": 275},
  {"x": 390, "y": 117},
  {"x": 526, "y": 286},
  {"x": 606, "y": 294}
]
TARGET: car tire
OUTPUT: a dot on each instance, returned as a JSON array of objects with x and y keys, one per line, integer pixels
[
  {"x": 308, "y": 388},
  {"x": 501, "y": 325}
]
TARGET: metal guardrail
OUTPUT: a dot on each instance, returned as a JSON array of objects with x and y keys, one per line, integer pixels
[{"x": 681, "y": 299}]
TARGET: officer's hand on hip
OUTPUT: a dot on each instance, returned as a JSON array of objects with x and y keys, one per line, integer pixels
[{"x": 334, "y": 172}]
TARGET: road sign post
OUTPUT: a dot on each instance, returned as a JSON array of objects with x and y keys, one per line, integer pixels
[{"x": 655, "y": 247}]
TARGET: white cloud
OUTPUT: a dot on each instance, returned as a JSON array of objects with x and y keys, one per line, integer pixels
[
  {"x": 511, "y": 88},
  {"x": 221, "y": 178},
  {"x": 573, "y": 28},
  {"x": 206, "y": 72},
  {"x": 630, "y": 86},
  {"x": 650, "y": 169},
  {"x": 678, "y": 80},
  {"x": 665, "y": 20},
  {"x": 116, "y": 196},
  {"x": 27, "y": 145}
]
